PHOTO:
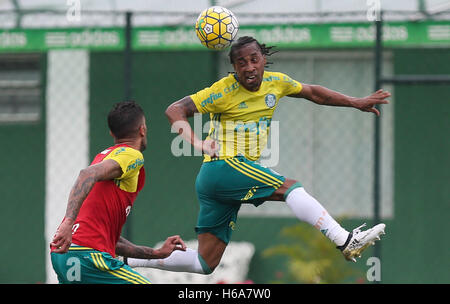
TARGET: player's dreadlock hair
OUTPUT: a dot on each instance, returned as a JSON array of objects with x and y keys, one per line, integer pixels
[
  {"x": 265, "y": 50},
  {"x": 124, "y": 119}
]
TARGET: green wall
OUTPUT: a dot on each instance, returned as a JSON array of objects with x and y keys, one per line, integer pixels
[
  {"x": 416, "y": 247},
  {"x": 22, "y": 197}
]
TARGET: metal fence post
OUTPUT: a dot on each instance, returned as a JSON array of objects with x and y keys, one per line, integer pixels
[
  {"x": 128, "y": 94},
  {"x": 377, "y": 131}
]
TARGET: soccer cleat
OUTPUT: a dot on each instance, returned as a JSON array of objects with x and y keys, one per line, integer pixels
[{"x": 358, "y": 241}]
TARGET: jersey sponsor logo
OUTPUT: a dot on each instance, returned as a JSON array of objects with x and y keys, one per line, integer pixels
[
  {"x": 231, "y": 88},
  {"x": 289, "y": 80},
  {"x": 138, "y": 162},
  {"x": 210, "y": 100},
  {"x": 270, "y": 100},
  {"x": 252, "y": 126},
  {"x": 271, "y": 78},
  {"x": 119, "y": 150}
]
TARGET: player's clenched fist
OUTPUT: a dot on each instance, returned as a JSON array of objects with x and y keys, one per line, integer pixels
[
  {"x": 171, "y": 244},
  {"x": 63, "y": 237}
]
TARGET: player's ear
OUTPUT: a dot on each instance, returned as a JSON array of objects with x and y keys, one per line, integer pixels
[
  {"x": 143, "y": 129},
  {"x": 111, "y": 133}
]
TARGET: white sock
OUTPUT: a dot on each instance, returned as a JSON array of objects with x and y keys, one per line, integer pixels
[
  {"x": 180, "y": 261},
  {"x": 306, "y": 208}
]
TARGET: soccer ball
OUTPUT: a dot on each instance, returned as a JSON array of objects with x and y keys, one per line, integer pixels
[{"x": 216, "y": 27}]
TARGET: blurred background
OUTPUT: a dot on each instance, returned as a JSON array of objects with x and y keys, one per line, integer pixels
[{"x": 63, "y": 64}]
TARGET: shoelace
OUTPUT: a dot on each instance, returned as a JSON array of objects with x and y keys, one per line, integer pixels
[
  {"x": 350, "y": 237},
  {"x": 358, "y": 229}
]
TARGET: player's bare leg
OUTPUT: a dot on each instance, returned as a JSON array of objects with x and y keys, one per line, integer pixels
[
  {"x": 211, "y": 249},
  {"x": 309, "y": 210}
]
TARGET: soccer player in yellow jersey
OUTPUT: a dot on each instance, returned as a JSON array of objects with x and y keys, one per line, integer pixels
[{"x": 241, "y": 106}]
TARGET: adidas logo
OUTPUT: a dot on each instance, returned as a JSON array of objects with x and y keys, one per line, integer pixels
[
  {"x": 242, "y": 105},
  {"x": 250, "y": 193}
]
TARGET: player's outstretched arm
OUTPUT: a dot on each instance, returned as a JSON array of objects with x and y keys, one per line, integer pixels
[
  {"x": 323, "y": 96},
  {"x": 178, "y": 113},
  {"x": 127, "y": 249},
  {"x": 105, "y": 170}
]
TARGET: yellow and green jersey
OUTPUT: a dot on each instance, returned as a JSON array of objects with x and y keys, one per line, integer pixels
[{"x": 240, "y": 119}]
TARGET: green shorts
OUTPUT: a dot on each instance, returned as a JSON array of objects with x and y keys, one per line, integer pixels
[
  {"x": 223, "y": 185},
  {"x": 83, "y": 265}
]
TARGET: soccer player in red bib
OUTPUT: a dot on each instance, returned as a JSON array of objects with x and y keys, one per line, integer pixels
[{"x": 84, "y": 247}]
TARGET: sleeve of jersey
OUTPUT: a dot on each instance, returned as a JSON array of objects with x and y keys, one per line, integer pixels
[
  {"x": 130, "y": 160},
  {"x": 289, "y": 85},
  {"x": 206, "y": 100}
]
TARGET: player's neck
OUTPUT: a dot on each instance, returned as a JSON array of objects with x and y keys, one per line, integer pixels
[{"x": 131, "y": 142}]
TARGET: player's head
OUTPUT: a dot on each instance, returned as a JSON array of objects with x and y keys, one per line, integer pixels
[
  {"x": 249, "y": 58},
  {"x": 126, "y": 121}
]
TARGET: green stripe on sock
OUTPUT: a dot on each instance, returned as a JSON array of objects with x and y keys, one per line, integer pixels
[
  {"x": 205, "y": 266},
  {"x": 296, "y": 185}
]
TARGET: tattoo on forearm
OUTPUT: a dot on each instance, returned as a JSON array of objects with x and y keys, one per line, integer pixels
[
  {"x": 188, "y": 107},
  {"x": 127, "y": 249},
  {"x": 327, "y": 99},
  {"x": 78, "y": 194}
]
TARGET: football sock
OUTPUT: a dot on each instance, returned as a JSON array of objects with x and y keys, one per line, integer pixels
[
  {"x": 306, "y": 208},
  {"x": 180, "y": 261}
]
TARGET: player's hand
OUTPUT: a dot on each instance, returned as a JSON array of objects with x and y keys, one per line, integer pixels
[
  {"x": 367, "y": 104},
  {"x": 171, "y": 244},
  {"x": 63, "y": 237},
  {"x": 210, "y": 147}
]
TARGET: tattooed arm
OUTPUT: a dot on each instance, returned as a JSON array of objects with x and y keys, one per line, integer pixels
[
  {"x": 105, "y": 170},
  {"x": 127, "y": 249},
  {"x": 178, "y": 113},
  {"x": 324, "y": 96}
]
